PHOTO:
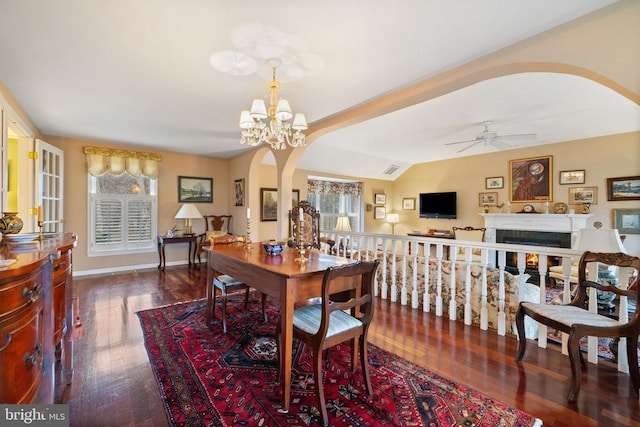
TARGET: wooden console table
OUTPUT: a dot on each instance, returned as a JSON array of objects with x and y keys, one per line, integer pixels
[
  {"x": 191, "y": 240},
  {"x": 439, "y": 235}
]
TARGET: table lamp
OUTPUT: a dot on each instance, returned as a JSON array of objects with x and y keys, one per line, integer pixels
[
  {"x": 188, "y": 212},
  {"x": 393, "y": 219},
  {"x": 343, "y": 223}
]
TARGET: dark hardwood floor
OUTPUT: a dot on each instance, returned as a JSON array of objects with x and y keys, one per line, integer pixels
[{"x": 114, "y": 385}]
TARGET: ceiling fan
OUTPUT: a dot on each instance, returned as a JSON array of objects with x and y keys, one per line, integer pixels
[{"x": 487, "y": 137}]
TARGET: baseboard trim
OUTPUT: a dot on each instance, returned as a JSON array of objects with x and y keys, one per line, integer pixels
[{"x": 112, "y": 270}]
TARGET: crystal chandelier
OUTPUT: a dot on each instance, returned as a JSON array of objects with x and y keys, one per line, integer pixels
[{"x": 278, "y": 132}]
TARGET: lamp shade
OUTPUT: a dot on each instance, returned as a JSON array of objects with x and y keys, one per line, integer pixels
[
  {"x": 599, "y": 240},
  {"x": 343, "y": 224},
  {"x": 393, "y": 218},
  {"x": 188, "y": 211}
]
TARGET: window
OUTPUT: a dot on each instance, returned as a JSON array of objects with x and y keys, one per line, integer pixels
[
  {"x": 333, "y": 199},
  {"x": 122, "y": 214}
]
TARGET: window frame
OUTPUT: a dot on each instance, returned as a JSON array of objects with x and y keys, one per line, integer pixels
[{"x": 125, "y": 247}]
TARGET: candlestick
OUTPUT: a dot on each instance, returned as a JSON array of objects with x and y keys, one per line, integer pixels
[
  {"x": 40, "y": 214},
  {"x": 40, "y": 224},
  {"x": 300, "y": 240},
  {"x": 248, "y": 213},
  {"x": 247, "y": 242}
]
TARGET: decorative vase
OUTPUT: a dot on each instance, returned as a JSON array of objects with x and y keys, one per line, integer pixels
[{"x": 10, "y": 223}]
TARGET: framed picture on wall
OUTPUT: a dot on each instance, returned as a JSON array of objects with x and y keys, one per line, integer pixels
[
  {"x": 488, "y": 198},
  {"x": 494, "y": 182},
  {"x": 295, "y": 197},
  {"x": 583, "y": 195},
  {"x": 380, "y": 199},
  {"x": 268, "y": 204},
  {"x": 572, "y": 177},
  {"x": 195, "y": 190},
  {"x": 238, "y": 186},
  {"x": 530, "y": 179},
  {"x": 409, "y": 203},
  {"x": 624, "y": 188},
  {"x": 627, "y": 221},
  {"x": 379, "y": 212}
]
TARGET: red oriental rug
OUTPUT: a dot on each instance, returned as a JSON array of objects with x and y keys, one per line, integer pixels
[{"x": 209, "y": 378}]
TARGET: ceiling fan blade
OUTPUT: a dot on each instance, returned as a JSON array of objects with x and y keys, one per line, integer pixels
[
  {"x": 519, "y": 136},
  {"x": 500, "y": 145},
  {"x": 462, "y": 142},
  {"x": 469, "y": 146}
]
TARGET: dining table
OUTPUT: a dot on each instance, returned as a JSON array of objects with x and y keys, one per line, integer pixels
[{"x": 282, "y": 277}]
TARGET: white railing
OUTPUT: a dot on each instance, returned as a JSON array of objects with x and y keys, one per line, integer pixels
[{"x": 422, "y": 272}]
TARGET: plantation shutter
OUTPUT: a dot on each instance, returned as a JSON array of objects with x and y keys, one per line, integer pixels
[
  {"x": 108, "y": 218},
  {"x": 139, "y": 221}
]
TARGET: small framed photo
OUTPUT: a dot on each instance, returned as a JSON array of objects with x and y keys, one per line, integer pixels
[
  {"x": 488, "y": 198},
  {"x": 572, "y": 177},
  {"x": 195, "y": 190},
  {"x": 624, "y": 188},
  {"x": 295, "y": 197},
  {"x": 409, "y": 203},
  {"x": 379, "y": 212},
  {"x": 627, "y": 221},
  {"x": 380, "y": 199},
  {"x": 583, "y": 195},
  {"x": 494, "y": 182},
  {"x": 239, "y": 191}
]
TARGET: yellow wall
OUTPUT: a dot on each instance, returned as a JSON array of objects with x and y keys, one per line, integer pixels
[
  {"x": 172, "y": 165},
  {"x": 601, "y": 158}
]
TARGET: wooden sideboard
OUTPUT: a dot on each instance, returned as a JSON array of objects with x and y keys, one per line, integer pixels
[{"x": 35, "y": 315}]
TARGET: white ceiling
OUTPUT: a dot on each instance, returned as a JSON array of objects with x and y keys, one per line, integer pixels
[{"x": 138, "y": 72}]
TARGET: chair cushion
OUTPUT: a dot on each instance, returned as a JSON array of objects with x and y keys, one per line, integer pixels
[
  {"x": 570, "y": 315},
  {"x": 225, "y": 280},
  {"x": 308, "y": 319}
]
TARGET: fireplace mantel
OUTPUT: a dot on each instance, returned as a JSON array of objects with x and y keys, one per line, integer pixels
[{"x": 559, "y": 223}]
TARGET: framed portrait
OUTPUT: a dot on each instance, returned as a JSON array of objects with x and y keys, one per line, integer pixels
[
  {"x": 195, "y": 190},
  {"x": 627, "y": 221},
  {"x": 268, "y": 204},
  {"x": 624, "y": 188},
  {"x": 380, "y": 199},
  {"x": 572, "y": 177},
  {"x": 494, "y": 182},
  {"x": 409, "y": 203},
  {"x": 238, "y": 186},
  {"x": 379, "y": 212},
  {"x": 531, "y": 179},
  {"x": 489, "y": 198},
  {"x": 583, "y": 195}
]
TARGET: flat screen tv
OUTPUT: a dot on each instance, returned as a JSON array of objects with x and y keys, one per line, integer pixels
[{"x": 438, "y": 205}]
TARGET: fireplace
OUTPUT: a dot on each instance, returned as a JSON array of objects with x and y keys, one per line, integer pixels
[
  {"x": 534, "y": 238},
  {"x": 551, "y": 230}
]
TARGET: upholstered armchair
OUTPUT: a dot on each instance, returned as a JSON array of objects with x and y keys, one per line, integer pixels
[{"x": 215, "y": 226}]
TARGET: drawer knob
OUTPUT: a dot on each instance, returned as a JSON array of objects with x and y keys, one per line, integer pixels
[
  {"x": 32, "y": 294},
  {"x": 59, "y": 266},
  {"x": 31, "y": 358}
]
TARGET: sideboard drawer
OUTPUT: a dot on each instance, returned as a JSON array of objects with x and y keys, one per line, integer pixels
[
  {"x": 18, "y": 295},
  {"x": 22, "y": 354}
]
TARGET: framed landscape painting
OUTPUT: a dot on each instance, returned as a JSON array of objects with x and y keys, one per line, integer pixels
[
  {"x": 624, "y": 188},
  {"x": 530, "y": 179},
  {"x": 195, "y": 190},
  {"x": 627, "y": 221}
]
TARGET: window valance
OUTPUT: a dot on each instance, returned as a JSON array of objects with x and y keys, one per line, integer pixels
[
  {"x": 318, "y": 186},
  {"x": 101, "y": 160}
]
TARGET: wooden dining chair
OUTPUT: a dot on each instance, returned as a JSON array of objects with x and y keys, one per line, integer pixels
[
  {"x": 226, "y": 284},
  {"x": 327, "y": 323},
  {"x": 220, "y": 224},
  {"x": 576, "y": 320}
]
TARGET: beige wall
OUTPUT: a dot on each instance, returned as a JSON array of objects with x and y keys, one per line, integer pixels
[
  {"x": 601, "y": 158},
  {"x": 171, "y": 166}
]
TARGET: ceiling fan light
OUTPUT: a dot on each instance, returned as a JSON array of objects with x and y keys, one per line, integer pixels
[
  {"x": 283, "y": 111},
  {"x": 300, "y": 122},
  {"x": 258, "y": 109}
]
